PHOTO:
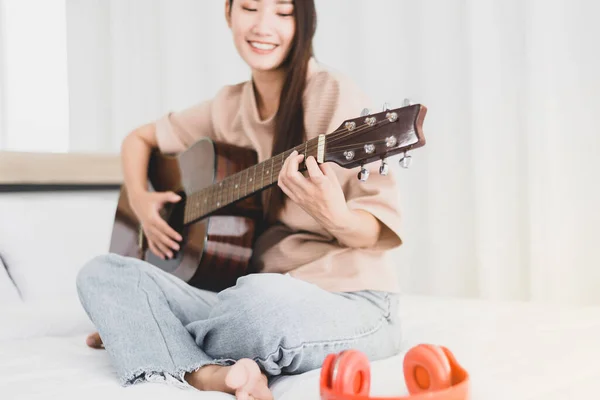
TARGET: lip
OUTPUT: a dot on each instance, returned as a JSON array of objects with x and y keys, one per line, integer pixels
[{"x": 261, "y": 51}]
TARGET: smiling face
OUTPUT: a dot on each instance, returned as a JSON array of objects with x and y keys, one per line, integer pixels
[{"x": 263, "y": 31}]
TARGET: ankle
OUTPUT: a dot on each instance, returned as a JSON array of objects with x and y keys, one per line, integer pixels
[
  {"x": 203, "y": 378},
  {"x": 210, "y": 378}
]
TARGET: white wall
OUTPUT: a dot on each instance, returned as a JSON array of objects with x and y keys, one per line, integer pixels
[
  {"x": 33, "y": 78},
  {"x": 2, "y": 77}
]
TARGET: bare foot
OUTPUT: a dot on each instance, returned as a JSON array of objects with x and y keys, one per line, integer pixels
[
  {"x": 94, "y": 341},
  {"x": 243, "y": 379}
]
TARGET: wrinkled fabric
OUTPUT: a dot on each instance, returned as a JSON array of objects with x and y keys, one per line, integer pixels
[{"x": 156, "y": 327}]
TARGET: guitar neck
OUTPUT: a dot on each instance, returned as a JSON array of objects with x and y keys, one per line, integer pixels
[
  {"x": 354, "y": 143},
  {"x": 245, "y": 183}
]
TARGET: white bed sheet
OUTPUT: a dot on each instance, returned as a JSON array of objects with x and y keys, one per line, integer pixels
[{"x": 512, "y": 351}]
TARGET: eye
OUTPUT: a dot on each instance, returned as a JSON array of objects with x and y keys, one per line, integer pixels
[
  {"x": 248, "y": 9},
  {"x": 286, "y": 11}
]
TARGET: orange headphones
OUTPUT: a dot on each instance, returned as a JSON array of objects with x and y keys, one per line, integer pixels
[{"x": 430, "y": 372}]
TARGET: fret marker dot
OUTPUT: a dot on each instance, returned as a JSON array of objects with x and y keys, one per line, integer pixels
[
  {"x": 267, "y": 172},
  {"x": 236, "y": 186},
  {"x": 250, "y": 179},
  {"x": 218, "y": 203}
]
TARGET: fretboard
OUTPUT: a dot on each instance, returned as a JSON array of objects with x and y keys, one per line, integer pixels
[{"x": 243, "y": 183}]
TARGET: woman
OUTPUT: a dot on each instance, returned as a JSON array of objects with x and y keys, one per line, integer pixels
[{"x": 323, "y": 286}]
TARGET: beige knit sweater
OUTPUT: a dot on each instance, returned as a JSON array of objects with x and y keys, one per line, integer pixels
[{"x": 300, "y": 245}]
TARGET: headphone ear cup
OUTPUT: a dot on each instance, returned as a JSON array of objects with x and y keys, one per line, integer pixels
[
  {"x": 327, "y": 371},
  {"x": 351, "y": 374},
  {"x": 426, "y": 368}
]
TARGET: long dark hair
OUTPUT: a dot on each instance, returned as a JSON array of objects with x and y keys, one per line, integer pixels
[{"x": 289, "y": 120}]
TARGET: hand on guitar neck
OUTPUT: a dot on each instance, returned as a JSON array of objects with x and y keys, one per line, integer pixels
[{"x": 321, "y": 196}]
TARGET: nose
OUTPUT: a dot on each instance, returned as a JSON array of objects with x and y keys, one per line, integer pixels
[{"x": 263, "y": 22}]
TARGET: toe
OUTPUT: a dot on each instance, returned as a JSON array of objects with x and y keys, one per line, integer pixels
[
  {"x": 242, "y": 395},
  {"x": 236, "y": 377},
  {"x": 262, "y": 392},
  {"x": 246, "y": 379},
  {"x": 94, "y": 341}
]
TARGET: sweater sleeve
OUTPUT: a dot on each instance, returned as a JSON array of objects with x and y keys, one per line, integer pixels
[
  {"x": 341, "y": 100},
  {"x": 176, "y": 131}
]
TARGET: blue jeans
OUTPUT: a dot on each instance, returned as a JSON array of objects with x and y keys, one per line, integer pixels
[{"x": 157, "y": 327}]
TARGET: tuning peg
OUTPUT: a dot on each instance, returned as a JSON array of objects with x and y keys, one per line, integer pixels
[
  {"x": 383, "y": 169},
  {"x": 407, "y": 102},
  {"x": 363, "y": 175},
  {"x": 405, "y": 161},
  {"x": 386, "y": 106},
  {"x": 365, "y": 112}
]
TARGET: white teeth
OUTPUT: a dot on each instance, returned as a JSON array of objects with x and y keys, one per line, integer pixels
[{"x": 263, "y": 46}]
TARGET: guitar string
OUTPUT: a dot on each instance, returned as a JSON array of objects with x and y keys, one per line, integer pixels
[
  {"x": 311, "y": 147},
  {"x": 265, "y": 180},
  {"x": 306, "y": 148},
  {"x": 344, "y": 147},
  {"x": 333, "y": 137},
  {"x": 226, "y": 192}
]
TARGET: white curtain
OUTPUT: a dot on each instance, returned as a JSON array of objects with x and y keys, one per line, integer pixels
[
  {"x": 502, "y": 203},
  {"x": 33, "y": 75}
]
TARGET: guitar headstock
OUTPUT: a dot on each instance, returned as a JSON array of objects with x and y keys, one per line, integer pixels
[{"x": 373, "y": 137}]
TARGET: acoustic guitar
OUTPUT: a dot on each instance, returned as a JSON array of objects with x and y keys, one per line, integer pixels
[{"x": 220, "y": 212}]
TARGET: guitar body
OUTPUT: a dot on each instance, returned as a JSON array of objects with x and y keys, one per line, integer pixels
[
  {"x": 221, "y": 211},
  {"x": 215, "y": 250}
]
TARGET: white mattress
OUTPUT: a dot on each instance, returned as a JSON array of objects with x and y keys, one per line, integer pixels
[{"x": 512, "y": 351}]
